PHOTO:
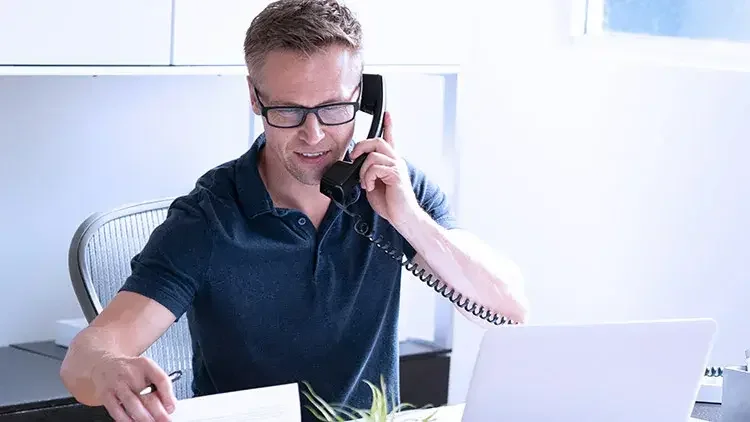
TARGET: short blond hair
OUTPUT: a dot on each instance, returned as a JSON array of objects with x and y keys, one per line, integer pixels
[{"x": 302, "y": 26}]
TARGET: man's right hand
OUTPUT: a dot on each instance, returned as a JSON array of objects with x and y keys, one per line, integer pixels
[
  {"x": 99, "y": 368},
  {"x": 118, "y": 382}
]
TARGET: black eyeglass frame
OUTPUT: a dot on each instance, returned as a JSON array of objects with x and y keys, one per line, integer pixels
[{"x": 308, "y": 110}]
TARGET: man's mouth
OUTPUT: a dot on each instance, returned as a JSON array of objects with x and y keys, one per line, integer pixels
[
  {"x": 313, "y": 158},
  {"x": 312, "y": 154}
]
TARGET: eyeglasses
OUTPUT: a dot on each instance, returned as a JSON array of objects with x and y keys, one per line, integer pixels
[{"x": 293, "y": 116}]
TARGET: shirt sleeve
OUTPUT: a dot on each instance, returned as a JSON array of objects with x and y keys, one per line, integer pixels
[
  {"x": 433, "y": 200},
  {"x": 171, "y": 266}
]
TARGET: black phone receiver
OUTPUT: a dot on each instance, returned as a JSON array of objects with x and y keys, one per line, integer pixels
[{"x": 342, "y": 177}]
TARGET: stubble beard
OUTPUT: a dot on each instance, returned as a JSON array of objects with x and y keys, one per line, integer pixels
[
  {"x": 311, "y": 177},
  {"x": 306, "y": 177}
]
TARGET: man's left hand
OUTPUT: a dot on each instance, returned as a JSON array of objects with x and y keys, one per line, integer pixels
[{"x": 385, "y": 177}]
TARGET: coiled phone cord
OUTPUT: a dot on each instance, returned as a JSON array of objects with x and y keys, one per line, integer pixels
[{"x": 361, "y": 227}]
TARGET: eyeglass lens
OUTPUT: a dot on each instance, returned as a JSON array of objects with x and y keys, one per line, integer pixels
[{"x": 334, "y": 114}]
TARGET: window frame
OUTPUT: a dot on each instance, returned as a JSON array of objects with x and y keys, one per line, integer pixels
[{"x": 588, "y": 34}]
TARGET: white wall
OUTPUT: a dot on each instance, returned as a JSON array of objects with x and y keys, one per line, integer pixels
[
  {"x": 71, "y": 146},
  {"x": 619, "y": 186},
  {"x": 74, "y": 145}
]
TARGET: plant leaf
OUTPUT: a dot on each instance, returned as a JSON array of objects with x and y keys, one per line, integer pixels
[
  {"x": 382, "y": 407},
  {"x": 319, "y": 416},
  {"x": 352, "y": 412},
  {"x": 327, "y": 413}
]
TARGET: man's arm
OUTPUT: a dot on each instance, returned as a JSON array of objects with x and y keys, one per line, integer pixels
[
  {"x": 125, "y": 328},
  {"x": 104, "y": 365},
  {"x": 468, "y": 265},
  {"x": 420, "y": 212}
]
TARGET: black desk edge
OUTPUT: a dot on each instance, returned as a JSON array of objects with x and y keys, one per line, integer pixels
[{"x": 38, "y": 405}]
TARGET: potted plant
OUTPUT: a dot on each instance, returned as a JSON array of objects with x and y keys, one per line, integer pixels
[{"x": 378, "y": 411}]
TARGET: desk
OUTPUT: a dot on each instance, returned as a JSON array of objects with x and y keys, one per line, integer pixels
[
  {"x": 30, "y": 382},
  {"x": 35, "y": 385},
  {"x": 424, "y": 370},
  {"x": 28, "y": 378},
  {"x": 43, "y": 348},
  {"x": 31, "y": 390}
]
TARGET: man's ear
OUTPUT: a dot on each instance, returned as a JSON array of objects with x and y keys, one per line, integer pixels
[{"x": 253, "y": 98}]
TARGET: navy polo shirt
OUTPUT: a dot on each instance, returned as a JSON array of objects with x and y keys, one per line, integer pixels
[{"x": 270, "y": 299}]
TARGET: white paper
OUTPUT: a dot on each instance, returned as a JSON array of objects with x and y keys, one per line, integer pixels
[
  {"x": 438, "y": 414},
  {"x": 270, "y": 404},
  {"x": 450, "y": 413}
]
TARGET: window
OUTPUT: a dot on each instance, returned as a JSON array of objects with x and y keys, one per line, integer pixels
[{"x": 721, "y": 20}]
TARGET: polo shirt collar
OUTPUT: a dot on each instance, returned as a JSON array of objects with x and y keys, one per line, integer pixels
[{"x": 252, "y": 192}]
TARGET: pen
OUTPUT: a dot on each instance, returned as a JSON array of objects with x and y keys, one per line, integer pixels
[{"x": 174, "y": 376}]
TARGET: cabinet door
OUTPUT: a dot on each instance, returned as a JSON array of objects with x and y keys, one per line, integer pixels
[
  {"x": 412, "y": 32},
  {"x": 85, "y": 32},
  {"x": 212, "y": 32},
  {"x": 400, "y": 32}
]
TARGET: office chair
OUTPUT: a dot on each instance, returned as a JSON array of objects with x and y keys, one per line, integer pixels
[{"x": 99, "y": 263}]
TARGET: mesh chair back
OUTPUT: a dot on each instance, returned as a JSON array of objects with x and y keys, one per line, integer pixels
[{"x": 99, "y": 262}]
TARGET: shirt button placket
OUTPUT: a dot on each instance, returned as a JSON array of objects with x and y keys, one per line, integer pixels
[{"x": 302, "y": 222}]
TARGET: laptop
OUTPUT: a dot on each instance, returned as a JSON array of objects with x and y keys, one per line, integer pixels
[{"x": 641, "y": 371}]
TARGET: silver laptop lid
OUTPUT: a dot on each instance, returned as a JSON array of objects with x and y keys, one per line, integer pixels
[{"x": 640, "y": 371}]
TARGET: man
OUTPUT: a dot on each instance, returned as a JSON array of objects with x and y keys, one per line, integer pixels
[{"x": 277, "y": 285}]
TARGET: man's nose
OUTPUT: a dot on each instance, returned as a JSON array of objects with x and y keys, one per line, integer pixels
[{"x": 312, "y": 130}]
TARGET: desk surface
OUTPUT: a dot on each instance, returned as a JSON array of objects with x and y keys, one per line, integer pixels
[
  {"x": 44, "y": 348},
  {"x": 29, "y": 378},
  {"x": 410, "y": 348}
]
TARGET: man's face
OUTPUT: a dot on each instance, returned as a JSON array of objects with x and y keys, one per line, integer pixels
[{"x": 288, "y": 79}]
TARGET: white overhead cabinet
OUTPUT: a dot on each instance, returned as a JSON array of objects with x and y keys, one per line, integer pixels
[
  {"x": 212, "y": 32},
  {"x": 412, "y": 32},
  {"x": 85, "y": 32}
]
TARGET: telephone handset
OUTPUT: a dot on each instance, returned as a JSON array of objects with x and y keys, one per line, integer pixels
[{"x": 341, "y": 179}]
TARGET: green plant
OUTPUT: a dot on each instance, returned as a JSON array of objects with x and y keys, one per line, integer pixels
[{"x": 378, "y": 411}]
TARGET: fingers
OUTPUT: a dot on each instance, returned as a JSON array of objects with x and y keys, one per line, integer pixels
[
  {"x": 119, "y": 381},
  {"x": 384, "y": 145},
  {"x": 373, "y": 145},
  {"x": 164, "y": 388},
  {"x": 132, "y": 404},
  {"x": 153, "y": 403},
  {"x": 378, "y": 166},
  {"x": 386, "y": 174},
  {"x": 388, "y": 128},
  {"x": 112, "y": 404},
  {"x": 147, "y": 407}
]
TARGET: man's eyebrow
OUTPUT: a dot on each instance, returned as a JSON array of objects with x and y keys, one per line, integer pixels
[{"x": 337, "y": 99}]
